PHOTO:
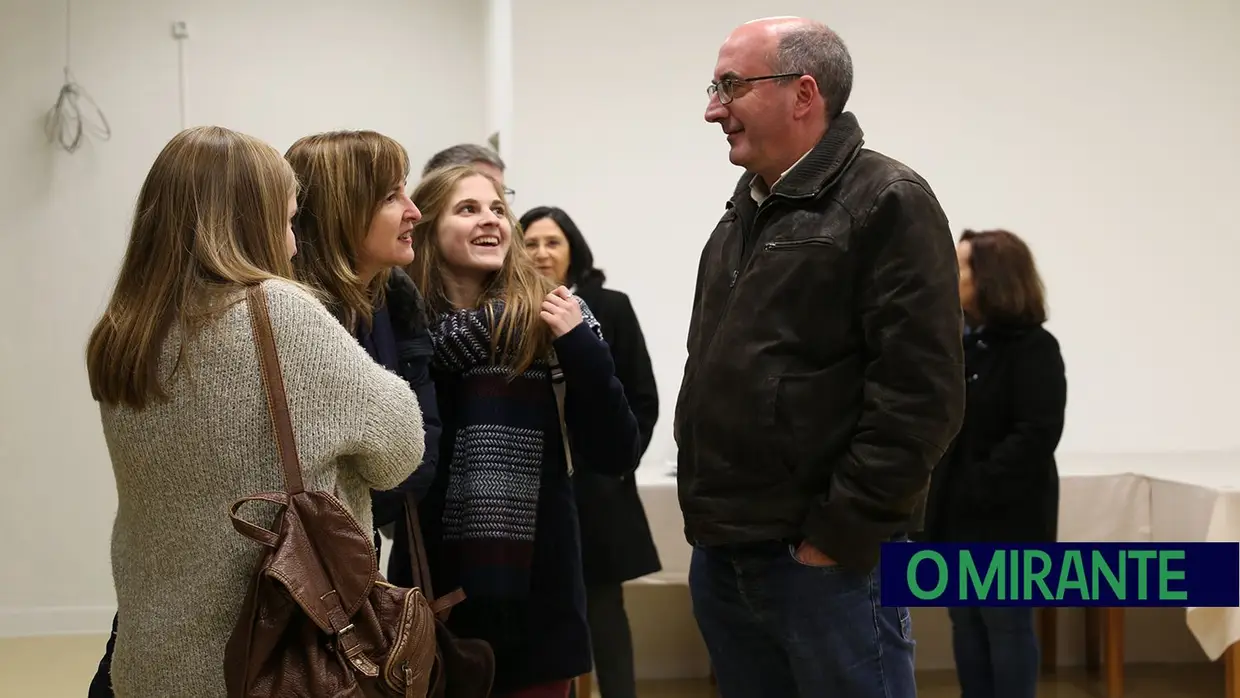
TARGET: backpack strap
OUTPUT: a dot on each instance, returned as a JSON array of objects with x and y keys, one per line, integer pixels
[
  {"x": 337, "y": 618},
  {"x": 420, "y": 565},
  {"x": 273, "y": 382},
  {"x": 557, "y": 384}
]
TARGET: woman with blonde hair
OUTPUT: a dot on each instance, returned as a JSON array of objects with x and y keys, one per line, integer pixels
[
  {"x": 174, "y": 366},
  {"x": 521, "y": 370},
  {"x": 354, "y": 227}
]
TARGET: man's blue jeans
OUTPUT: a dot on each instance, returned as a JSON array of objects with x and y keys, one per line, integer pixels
[
  {"x": 996, "y": 650},
  {"x": 777, "y": 628}
]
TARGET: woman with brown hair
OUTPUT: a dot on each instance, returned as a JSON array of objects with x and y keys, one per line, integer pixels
[
  {"x": 174, "y": 366},
  {"x": 998, "y": 483},
  {"x": 521, "y": 370},
  {"x": 354, "y": 228}
]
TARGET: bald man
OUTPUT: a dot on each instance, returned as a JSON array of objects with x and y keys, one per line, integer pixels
[{"x": 824, "y": 379}]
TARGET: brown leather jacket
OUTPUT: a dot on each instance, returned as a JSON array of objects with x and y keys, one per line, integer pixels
[{"x": 825, "y": 372}]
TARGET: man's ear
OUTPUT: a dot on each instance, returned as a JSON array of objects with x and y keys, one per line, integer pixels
[{"x": 807, "y": 96}]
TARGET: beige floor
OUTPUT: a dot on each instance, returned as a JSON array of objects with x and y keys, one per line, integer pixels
[
  {"x": 1163, "y": 681},
  {"x": 61, "y": 667}
]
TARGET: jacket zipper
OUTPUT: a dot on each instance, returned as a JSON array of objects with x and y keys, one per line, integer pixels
[
  {"x": 736, "y": 273},
  {"x": 785, "y": 244}
]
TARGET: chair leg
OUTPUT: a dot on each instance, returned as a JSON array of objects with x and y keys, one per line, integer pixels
[
  {"x": 1093, "y": 638},
  {"x": 1048, "y": 631},
  {"x": 1114, "y": 647},
  {"x": 1231, "y": 665},
  {"x": 585, "y": 686}
]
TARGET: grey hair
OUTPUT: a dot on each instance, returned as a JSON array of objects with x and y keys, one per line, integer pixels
[
  {"x": 463, "y": 154},
  {"x": 820, "y": 53}
]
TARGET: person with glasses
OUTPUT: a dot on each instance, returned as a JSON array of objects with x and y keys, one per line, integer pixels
[
  {"x": 824, "y": 379},
  {"x": 480, "y": 157}
]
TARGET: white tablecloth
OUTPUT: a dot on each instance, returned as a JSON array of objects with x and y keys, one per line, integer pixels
[
  {"x": 1195, "y": 497},
  {"x": 1099, "y": 501},
  {"x": 1177, "y": 497}
]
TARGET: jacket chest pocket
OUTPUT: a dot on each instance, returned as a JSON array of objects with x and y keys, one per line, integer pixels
[
  {"x": 799, "y": 244},
  {"x": 802, "y": 285},
  {"x": 808, "y": 262}
]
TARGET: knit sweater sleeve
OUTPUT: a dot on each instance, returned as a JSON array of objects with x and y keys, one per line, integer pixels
[{"x": 334, "y": 386}]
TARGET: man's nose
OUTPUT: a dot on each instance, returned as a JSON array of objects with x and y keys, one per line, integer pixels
[{"x": 715, "y": 112}]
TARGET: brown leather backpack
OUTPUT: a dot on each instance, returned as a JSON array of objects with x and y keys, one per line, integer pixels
[{"x": 319, "y": 619}]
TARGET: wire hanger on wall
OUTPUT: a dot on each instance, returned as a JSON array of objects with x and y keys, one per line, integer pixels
[{"x": 65, "y": 122}]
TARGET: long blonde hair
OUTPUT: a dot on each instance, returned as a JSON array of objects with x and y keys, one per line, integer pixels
[
  {"x": 212, "y": 216},
  {"x": 345, "y": 176},
  {"x": 519, "y": 333}
]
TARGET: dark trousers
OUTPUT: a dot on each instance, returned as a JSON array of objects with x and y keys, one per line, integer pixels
[
  {"x": 101, "y": 685},
  {"x": 777, "y": 627},
  {"x": 612, "y": 641},
  {"x": 996, "y": 650}
]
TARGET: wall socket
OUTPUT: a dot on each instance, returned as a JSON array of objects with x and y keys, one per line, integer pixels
[{"x": 180, "y": 30}]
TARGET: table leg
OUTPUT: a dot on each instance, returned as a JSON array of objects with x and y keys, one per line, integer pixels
[
  {"x": 1113, "y": 625},
  {"x": 1048, "y": 630}
]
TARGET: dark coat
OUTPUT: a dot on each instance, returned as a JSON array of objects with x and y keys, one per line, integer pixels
[
  {"x": 400, "y": 340},
  {"x": 616, "y": 543},
  {"x": 825, "y": 376},
  {"x": 544, "y": 637},
  {"x": 999, "y": 482}
]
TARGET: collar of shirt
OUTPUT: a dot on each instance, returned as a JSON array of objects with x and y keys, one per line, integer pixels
[{"x": 758, "y": 189}]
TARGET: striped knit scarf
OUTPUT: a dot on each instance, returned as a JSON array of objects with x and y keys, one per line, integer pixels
[{"x": 506, "y": 427}]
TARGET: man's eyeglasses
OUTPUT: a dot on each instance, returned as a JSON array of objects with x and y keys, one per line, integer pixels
[
  {"x": 509, "y": 194},
  {"x": 726, "y": 88}
]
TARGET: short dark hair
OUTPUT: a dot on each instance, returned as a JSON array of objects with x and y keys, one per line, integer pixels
[
  {"x": 581, "y": 270},
  {"x": 463, "y": 154},
  {"x": 817, "y": 51},
  {"x": 1008, "y": 288}
]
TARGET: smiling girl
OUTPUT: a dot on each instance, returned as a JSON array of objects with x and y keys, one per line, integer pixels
[{"x": 500, "y": 520}]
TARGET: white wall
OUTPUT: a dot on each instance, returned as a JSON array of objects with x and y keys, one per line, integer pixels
[
  {"x": 1103, "y": 132},
  {"x": 277, "y": 70},
  {"x": 499, "y": 69}
]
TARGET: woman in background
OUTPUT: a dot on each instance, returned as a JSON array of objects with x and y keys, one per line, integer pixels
[
  {"x": 616, "y": 543},
  {"x": 354, "y": 229},
  {"x": 998, "y": 482},
  {"x": 500, "y": 521},
  {"x": 174, "y": 366}
]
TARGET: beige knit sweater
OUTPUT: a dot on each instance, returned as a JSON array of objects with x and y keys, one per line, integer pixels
[{"x": 181, "y": 570}]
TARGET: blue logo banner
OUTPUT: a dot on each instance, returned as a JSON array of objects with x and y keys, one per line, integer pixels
[{"x": 1061, "y": 574}]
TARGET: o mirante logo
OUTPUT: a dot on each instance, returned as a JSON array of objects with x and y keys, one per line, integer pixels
[{"x": 1061, "y": 574}]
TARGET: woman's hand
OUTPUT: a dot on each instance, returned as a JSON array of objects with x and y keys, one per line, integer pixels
[{"x": 561, "y": 312}]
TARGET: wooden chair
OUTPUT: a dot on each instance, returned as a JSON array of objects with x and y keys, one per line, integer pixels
[{"x": 1104, "y": 645}]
